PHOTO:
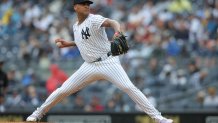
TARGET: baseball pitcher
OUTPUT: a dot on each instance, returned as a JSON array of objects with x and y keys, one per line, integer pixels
[{"x": 101, "y": 62}]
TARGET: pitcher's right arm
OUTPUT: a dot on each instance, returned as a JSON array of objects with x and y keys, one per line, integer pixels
[{"x": 64, "y": 43}]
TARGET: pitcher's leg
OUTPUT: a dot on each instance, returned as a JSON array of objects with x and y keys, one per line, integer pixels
[
  {"x": 118, "y": 76},
  {"x": 78, "y": 80}
]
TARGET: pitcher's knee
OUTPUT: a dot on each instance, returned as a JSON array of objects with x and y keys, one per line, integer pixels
[
  {"x": 63, "y": 91},
  {"x": 129, "y": 89}
]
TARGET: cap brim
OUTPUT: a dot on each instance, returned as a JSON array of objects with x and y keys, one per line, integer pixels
[{"x": 89, "y": 2}]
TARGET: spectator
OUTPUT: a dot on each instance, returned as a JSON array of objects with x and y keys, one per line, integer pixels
[
  {"x": 2, "y": 103},
  {"x": 95, "y": 105},
  {"x": 211, "y": 100},
  {"x": 3, "y": 79},
  {"x": 14, "y": 77},
  {"x": 110, "y": 106},
  {"x": 198, "y": 101},
  {"x": 179, "y": 6},
  {"x": 79, "y": 104},
  {"x": 31, "y": 96},
  {"x": 15, "y": 100},
  {"x": 180, "y": 80},
  {"x": 3, "y": 86},
  {"x": 56, "y": 78},
  {"x": 194, "y": 73},
  {"x": 167, "y": 74},
  {"x": 28, "y": 78}
]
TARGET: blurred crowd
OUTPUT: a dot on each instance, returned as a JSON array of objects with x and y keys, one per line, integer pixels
[{"x": 174, "y": 51}]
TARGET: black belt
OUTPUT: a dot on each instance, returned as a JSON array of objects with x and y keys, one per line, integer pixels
[{"x": 103, "y": 57}]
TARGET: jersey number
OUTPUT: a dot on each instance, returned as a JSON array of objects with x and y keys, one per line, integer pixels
[{"x": 85, "y": 34}]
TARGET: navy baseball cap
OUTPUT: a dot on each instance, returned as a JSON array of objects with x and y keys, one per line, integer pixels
[{"x": 82, "y": 1}]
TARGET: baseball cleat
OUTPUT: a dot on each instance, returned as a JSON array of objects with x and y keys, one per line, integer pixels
[
  {"x": 35, "y": 116},
  {"x": 166, "y": 121},
  {"x": 32, "y": 119}
]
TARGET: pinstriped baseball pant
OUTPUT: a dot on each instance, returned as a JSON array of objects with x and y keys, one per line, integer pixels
[{"x": 109, "y": 69}]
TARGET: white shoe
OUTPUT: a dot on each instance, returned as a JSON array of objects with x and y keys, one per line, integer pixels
[
  {"x": 32, "y": 119},
  {"x": 35, "y": 116},
  {"x": 166, "y": 121}
]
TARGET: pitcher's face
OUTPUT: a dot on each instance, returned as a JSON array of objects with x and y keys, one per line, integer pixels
[{"x": 82, "y": 8}]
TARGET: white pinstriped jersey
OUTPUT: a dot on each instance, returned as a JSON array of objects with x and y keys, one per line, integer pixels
[{"x": 91, "y": 38}]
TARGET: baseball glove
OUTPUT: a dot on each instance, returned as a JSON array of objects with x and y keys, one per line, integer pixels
[{"x": 119, "y": 45}]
